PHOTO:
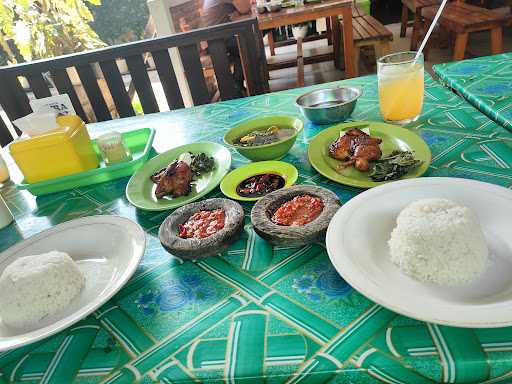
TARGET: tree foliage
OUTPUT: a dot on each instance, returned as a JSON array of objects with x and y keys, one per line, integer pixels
[{"x": 46, "y": 28}]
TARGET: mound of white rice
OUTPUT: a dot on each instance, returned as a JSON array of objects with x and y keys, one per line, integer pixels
[
  {"x": 439, "y": 241},
  {"x": 34, "y": 287}
]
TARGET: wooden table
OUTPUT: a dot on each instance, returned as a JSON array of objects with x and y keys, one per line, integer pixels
[
  {"x": 416, "y": 6},
  {"x": 330, "y": 9}
]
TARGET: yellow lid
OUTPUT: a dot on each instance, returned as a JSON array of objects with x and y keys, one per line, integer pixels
[{"x": 68, "y": 127}]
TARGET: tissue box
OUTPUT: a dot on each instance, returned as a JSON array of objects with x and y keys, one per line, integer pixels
[{"x": 62, "y": 152}]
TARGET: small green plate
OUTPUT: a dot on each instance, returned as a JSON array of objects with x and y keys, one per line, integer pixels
[
  {"x": 140, "y": 190},
  {"x": 393, "y": 137},
  {"x": 228, "y": 186}
]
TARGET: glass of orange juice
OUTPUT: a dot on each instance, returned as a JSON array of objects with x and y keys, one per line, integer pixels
[{"x": 401, "y": 87}]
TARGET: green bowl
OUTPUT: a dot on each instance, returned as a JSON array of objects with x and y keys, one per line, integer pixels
[
  {"x": 273, "y": 151},
  {"x": 229, "y": 184}
]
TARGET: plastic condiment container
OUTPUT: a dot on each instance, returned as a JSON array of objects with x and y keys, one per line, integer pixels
[
  {"x": 6, "y": 217},
  {"x": 4, "y": 171},
  {"x": 62, "y": 152},
  {"x": 113, "y": 148}
]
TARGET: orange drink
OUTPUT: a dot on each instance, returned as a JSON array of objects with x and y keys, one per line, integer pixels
[{"x": 401, "y": 87}]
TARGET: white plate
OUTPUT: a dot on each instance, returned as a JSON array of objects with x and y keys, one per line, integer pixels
[
  {"x": 107, "y": 250},
  {"x": 357, "y": 244}
]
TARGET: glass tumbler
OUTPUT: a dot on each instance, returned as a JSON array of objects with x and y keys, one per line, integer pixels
[{"x": 401, "y": 87}]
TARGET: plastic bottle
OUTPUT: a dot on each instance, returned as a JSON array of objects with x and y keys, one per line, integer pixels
[{"x": 4, "y": 171}]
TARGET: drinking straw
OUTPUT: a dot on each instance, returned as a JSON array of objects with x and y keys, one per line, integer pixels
[{"x": 429, "y": 32}]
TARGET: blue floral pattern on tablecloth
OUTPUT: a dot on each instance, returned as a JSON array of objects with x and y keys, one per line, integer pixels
[
  {"x": 174, "y": 295},
  {"x": 485, "y": 82},
  {"x": 322, "y": 283},
  {"x": 495, "y": 89}
]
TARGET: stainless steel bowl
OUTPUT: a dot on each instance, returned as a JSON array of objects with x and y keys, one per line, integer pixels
[{"x": 329, "y": 105}]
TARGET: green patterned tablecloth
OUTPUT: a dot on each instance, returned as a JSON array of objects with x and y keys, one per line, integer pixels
[
  {"x": 255, "y": 312},
  {"x": 486, "y": 82}
]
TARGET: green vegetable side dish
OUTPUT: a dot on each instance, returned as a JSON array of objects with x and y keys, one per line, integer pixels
[
  {"x": 271, "y": 151},
  {"x": 394, "y": 166},
  {"x": 201, "y": 163},
  {"x": 270, "y": 135},
  {"x": 394, "y": 138}
]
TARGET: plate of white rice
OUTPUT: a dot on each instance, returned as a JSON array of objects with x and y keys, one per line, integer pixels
[
  {"x": 433, "y": 249},
  {"x": 59, "y": 276}
]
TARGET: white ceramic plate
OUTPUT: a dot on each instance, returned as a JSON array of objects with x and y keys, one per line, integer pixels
[
  {"x": 107, "y": 250},
  {"x": 357, "y": 244}
]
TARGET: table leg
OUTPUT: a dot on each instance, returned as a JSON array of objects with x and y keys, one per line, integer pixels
[
  {"x": 264, "y": 66},
  {"x": 300, "y": 63},
  {"x": 461, "y": 41},
  {"x": 348, "y": 43},
  {"x": 270, "y": 38},
  {"x": 496, "y": 40},
  {"x": 328, "y": 30},
  {"x": 405, "y": 19},
  {"x": 382, "y": 49},
  {"x": 416, "y": 29},
  {"x": 426, "y": 50},
  {"x": 336, "y": 41}
]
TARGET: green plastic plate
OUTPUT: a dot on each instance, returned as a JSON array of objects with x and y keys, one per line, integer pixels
[
  {"x": 393, "y": 137},
  {"x": 228, "y": 186},
  {"x": 139, "y": 142},
  {"x": 140, "y": 190}
]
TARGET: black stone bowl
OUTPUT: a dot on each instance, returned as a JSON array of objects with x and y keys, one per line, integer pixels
[
  {"x": 293, "y": 235},
  {"x": 211, "y": 245}
]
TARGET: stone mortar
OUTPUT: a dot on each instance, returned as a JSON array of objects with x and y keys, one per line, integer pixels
[
  {"x": 211, "y": 245},
  {"x": 293, "y": 235}
]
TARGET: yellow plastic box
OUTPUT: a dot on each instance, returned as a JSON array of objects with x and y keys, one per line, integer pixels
[{"x": 61, "y": 152}]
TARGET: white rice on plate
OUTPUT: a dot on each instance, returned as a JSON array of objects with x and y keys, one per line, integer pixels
[
  {"x": 35, "y": 287},
  {"x": 439, "y": 241}
]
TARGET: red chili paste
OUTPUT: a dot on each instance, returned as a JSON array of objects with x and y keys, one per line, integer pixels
[
  {"x": 298, "y": 211},
  {"x": 202, "y": 224}
]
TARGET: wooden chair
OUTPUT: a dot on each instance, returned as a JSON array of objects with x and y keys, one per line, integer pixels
[
  {"x": 461, "y": 19},
  {"x": 416, "y": 7},
  {"x": 15, "y": 102},
  {"x": 369, "y": 32}
]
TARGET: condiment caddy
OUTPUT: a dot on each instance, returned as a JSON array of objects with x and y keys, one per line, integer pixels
[{"x": 138, "y": 144}]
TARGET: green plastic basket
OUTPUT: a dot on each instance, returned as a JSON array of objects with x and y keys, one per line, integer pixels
[{"x": 139, "y": 142}]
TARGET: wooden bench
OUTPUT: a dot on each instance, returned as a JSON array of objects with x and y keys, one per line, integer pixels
[
  {"x": 369, "y": 32},
  {"x": 461, "y": 19}
]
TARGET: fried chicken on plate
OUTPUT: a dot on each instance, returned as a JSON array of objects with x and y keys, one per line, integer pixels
[
  {"x": 356, "y": 148},
  {"x": 173, "y": 180}
]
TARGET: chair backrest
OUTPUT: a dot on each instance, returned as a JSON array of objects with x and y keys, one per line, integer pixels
[{"x": 15, "y": 101}]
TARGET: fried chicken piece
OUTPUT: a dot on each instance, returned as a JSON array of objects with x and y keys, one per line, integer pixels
[
  {"x": 155, "y": 177},
  {"x": 356, "y": 148},
  {"x": 341, "y": 148},
  {"x": 173, "y": 180},
  {"x": 368, "y": 151}
]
